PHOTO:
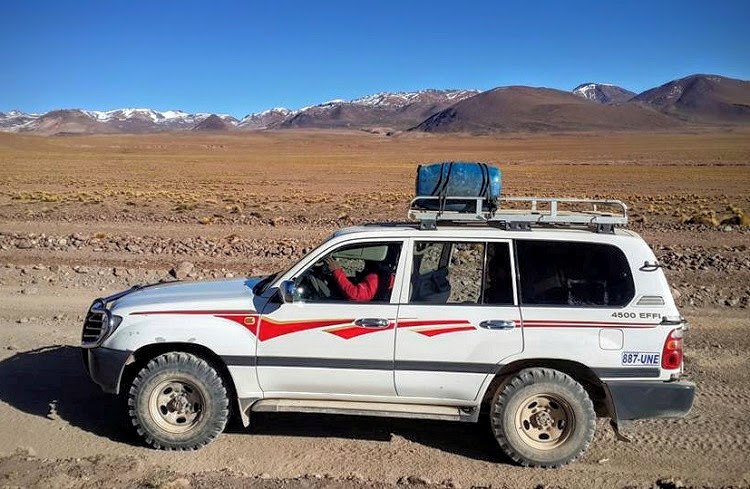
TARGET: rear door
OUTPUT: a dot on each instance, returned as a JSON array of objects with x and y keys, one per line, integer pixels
[{"x": 459, "y": 318}]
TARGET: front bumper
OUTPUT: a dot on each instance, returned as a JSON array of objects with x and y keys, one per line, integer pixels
[
  {"x": 650, "y": 399},
  {"x": 105, "y": 366}
]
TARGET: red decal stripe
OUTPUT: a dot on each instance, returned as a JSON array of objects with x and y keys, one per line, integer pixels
[
  {"x": 441, "y": 322},
  {"x": 353, "y": 331},
  {"x": 272, "y": 329},
  {"x": 435, "y": 332},
  {"x": 248, "y": 321},
  {"x": 211, "y": 313},
  {"x": 585, "y": 324}
]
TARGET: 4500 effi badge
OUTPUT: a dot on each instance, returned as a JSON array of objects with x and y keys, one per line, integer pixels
[{"x": 543, "y": 312}]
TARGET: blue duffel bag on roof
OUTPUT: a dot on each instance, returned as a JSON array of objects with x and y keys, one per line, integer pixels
[{"x": 457, "y": 179}]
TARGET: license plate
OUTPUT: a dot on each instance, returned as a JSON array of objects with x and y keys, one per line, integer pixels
[{"x": 641, "y": 358}]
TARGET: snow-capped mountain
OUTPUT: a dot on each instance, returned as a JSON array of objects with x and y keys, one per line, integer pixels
[
  {"x": 15, "y": 118},
  {"x": 603, "y": 93},
  {"x": 266, "y": 119},
  {"x": 389, "y": 109},
  {"x": 129, "y": 120},
  {"x": 402, "y": 99},
  {"x": 399, "y": 110},
  {"x": 701, "y": 99}
]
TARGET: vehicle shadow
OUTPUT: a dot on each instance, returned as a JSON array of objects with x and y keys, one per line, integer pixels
[
  {"x": 51, "y": 382},
  {"x": 471, "y": 440}
]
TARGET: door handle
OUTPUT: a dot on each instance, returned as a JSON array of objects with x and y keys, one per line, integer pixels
[
  {"x": 498, "y": 324},
  {"x": 372, "y": 322}
]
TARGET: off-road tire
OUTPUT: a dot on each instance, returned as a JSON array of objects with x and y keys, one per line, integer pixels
[
  {"x": 569, "y": 402},
  {"x": 209, "y": 397}
]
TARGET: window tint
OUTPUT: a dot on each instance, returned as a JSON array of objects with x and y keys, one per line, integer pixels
[
  {"x": 362, "y": 272},
  {"x": 573, "y": 274},
  {"x": 447, "y": 272},
  {"x": 498, "y": 277}
]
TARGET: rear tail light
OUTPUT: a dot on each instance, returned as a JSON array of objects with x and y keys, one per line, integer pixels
[{"x": 671, "y": 355}]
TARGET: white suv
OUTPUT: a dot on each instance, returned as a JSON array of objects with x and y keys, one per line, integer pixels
[{"x": 542, "y": 327}]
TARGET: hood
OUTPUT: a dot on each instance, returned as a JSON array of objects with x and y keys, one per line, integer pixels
[{"x": 229, "y": 295}]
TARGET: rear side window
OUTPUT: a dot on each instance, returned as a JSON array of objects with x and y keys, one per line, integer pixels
[
  {"x": 555, "y": 273},
  {"x": 447, "y": 272}
]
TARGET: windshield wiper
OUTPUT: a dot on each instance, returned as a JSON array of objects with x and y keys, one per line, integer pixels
[{"x": 260, "y": 287}]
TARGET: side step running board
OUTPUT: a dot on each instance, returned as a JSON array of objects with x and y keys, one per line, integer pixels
[{"x": 385, "y": 409}]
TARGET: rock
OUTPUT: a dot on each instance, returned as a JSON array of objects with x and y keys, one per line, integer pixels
[
  {"x": 120, "y": 272},
  {"x": 82, "y": 269},
  {"x": 704, "y": 218},
  {"x": 414, "y": 480},
  {"x": 25, "y": 244},
  {"x": 669, "y": 484},
  {"x": 11, "y": 347},
  {"x": 181, "y": 271},
  {"x": 180, "y": 483},
  {"x": 28, "y": 451}
]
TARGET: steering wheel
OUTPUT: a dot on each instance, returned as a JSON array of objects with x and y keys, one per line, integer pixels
[{"x": 313, "y": 282}]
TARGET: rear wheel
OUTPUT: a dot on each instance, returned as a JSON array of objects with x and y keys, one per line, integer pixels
[
  {"x": 178, "y": 402},
  {"x": 542, "y": 418}
]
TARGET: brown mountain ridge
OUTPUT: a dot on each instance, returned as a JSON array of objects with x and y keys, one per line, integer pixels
[
  {"x": 696, "y": 100},
  {"x": 527, "y": 109}
]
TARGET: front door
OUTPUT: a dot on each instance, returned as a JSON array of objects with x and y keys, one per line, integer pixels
[
  {"x": 460, "y": 319},
  {"x": 337, "y": 336}
]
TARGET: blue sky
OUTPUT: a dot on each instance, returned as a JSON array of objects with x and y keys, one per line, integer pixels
[{"x": 241, "y": 57}]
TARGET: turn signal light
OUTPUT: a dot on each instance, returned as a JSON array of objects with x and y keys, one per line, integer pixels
[{"x": 671, "y": 355}]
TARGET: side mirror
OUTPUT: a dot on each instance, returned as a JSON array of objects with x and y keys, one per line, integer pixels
[{"x": 288, "y": 291}]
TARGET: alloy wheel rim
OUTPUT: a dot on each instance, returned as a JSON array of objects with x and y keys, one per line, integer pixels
[
  {"x": 544, "y": 421},
  {"x": 176, "y": 405}
]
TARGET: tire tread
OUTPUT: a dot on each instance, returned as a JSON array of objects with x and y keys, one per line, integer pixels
[
  {"x": 532, "y": 376},
  {"x": 185, "y": 363}
]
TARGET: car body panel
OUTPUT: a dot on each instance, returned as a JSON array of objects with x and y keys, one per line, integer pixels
[{"x": 327, "y": 358}]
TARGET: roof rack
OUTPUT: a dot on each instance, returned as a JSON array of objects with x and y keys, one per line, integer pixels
[{"x": 520, "y": 213}]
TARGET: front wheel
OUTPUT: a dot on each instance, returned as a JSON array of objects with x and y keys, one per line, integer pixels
[
  {"x": 542, "y": 418},
  {"x": 178, "y": 402}
]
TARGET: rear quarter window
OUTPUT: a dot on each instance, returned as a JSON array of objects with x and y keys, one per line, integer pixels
[{"x": 573, "y": 274}]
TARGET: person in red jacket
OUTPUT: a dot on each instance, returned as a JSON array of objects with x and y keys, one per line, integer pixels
[{"x": 367, "y": 288}]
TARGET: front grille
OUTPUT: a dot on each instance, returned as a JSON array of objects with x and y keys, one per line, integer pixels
[{"x": 95, "y": 327}]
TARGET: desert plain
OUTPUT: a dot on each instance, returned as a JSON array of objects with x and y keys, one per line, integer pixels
[{"x": 85, "y": 216}]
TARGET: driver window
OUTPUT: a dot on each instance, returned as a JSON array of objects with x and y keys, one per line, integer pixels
[{"x": 363, "y": 272}]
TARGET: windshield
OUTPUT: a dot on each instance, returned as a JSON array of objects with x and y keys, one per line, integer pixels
[{"x": 261, "y": 286}]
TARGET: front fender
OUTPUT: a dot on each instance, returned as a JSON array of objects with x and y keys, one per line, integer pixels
[{"x": 231, "y": 340}]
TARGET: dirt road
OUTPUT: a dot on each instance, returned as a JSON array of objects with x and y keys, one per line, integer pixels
[
  {"x": 50, "y": 409},
  {"x": 68, "y": 236}
]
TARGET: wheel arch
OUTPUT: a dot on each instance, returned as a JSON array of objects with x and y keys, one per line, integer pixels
[
  {"x": 582, "y": 374},
  {"x": 140, "y": 357}
]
